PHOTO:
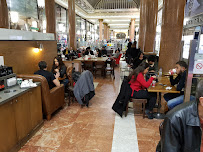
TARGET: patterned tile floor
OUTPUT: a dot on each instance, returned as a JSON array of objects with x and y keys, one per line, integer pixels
[{"x": 76, "y": 129}]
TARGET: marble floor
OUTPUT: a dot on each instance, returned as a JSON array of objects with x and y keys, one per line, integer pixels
[{"x": 97, "y": 128}]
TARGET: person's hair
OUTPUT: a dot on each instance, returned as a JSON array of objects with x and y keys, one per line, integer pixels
[
  {"x": 139, "y": 69},
  {"x": 59, "y": 59},
  {"x": 140, "y": 52},
  {"x": 88, "y": 48},
  {"x": 199, "y": 90},
  {"x": 151, "y": 58},
  {"x": 182, "y": 64},
  {"x": 42, "y": 65}
]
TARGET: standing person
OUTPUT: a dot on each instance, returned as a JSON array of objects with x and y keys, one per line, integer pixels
[
  {"x": 59, "y": 66},
  {"x": 51, "y": 78},
  {"x": 174, "y": 99},
  {"x": 129, "y": 44},
  {"x": 138, "y": 60},
  {"x": 134, "y": 51},
  {"x": 182, "y": 126},
  {"x": 139, "y": 87}
]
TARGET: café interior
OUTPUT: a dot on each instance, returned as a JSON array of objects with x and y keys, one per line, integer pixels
[{"x": 101, "y": 75}]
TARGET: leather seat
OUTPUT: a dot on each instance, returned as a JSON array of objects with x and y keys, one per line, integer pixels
[{"x": 51, "y": 99}]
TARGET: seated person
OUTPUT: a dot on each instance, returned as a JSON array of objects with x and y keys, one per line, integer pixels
[
  {"x": 116, "y": 55},
  {"x": 151, "y": 60},
  {"x": 138, "y": 60},
  {"x": 174, "y": 99},
  {"x": 72, "y": 52},
  {"x": 66, "y": 52},
  {"x": 104, "y": 51},
  {"x": 99, "y": 54},
  {"x": 88, "y": 51},
  {"x": 182, "y": 126},
  {"x": 83, "y": 52},
  {"x": 51, "y": 78},
  {"x": 139, "y": 87},
  {"x": 59, "y": 67},
  {"x": 152, "y": 69}
]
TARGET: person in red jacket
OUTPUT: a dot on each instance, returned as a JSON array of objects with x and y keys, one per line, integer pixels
[{"x": 139, "y": 87}]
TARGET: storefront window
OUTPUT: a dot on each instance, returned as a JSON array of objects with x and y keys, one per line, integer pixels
[
  {"x": 61, "y": 27},
  {"x": 78, "y": 30},
  {"x": 158, "y": 32},
  {"x": 24, "y": 15}
]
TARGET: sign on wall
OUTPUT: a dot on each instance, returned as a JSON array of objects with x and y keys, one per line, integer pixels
[{"x": 198, "y": 67}]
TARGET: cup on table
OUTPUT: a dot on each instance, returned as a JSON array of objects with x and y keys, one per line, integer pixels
[
  {"x": 173, "y": 71},
  {"x": 153, "y": 83},
  {"x": 19, "y": 81}
]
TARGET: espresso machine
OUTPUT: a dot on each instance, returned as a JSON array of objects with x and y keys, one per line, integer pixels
[{"x": 7, "y": 77}]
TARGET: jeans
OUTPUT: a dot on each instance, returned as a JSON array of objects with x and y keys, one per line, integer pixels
[
  {"x": 144, "y": 94},
  {"x": 176, "y": 101}
]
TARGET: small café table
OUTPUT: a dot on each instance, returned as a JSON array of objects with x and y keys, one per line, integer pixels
[{"x": 159, "y": 88}]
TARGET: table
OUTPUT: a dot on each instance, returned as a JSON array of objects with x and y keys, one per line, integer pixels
[
  {"x": 162, "y": 89},
  {"x": 99, "y": 59}
]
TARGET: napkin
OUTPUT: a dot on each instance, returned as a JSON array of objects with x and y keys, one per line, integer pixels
[{"x": 168, "y": 88}]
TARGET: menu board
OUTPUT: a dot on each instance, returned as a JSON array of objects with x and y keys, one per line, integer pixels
[
  {"x": 193, "y": 8},
  {"x": 27, "y": 8}
]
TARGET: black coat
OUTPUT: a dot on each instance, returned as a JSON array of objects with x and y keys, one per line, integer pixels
[
  {"x": 134, "y": 52},
  {"x": 181, "y": 129},
  {"x": 124, "y": 96}
]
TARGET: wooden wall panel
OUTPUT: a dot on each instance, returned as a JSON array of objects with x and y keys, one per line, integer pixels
[{"x": 20, "y": 55}]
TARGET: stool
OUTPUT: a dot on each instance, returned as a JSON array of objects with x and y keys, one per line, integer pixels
[{"x": 143, "y": 101}]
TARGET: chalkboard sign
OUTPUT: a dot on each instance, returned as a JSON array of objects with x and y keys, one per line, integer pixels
[{"x": 26, "y": 8}]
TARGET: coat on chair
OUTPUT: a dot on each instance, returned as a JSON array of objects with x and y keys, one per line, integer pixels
[
  {"x": 124, "y": 96},
  {"x": 84, "y": 86}
]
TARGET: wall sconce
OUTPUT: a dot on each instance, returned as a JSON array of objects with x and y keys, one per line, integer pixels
[
  {"x": 38, "y": 48},
  {"x": 41, "y": 47}
]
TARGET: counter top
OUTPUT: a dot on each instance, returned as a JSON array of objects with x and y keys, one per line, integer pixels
[{"x": 15, "y": 92}]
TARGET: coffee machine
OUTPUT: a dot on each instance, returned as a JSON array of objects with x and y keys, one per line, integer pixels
[
  {"x": 4, "y": 71},
  {"x": 7, "y": 78}
]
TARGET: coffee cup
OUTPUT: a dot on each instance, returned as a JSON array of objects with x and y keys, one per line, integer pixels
[
  {"x": 153, "y": 83},
  {"x": 173, "y": 71},
  {"x": 19, "y": 81}
]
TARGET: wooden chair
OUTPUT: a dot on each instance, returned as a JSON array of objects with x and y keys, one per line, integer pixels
[
  {"x": 100, "y": 66},
  {"x": 143, "y": 101},
  {"x": 111, "y": 68}
]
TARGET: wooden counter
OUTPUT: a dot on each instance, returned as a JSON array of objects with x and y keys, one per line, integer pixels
[{"x": 20, "y": 118}]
